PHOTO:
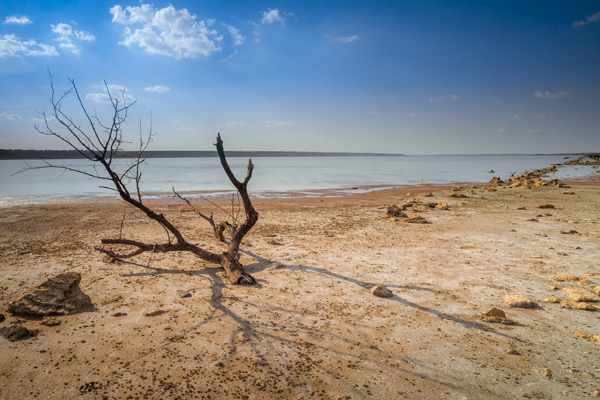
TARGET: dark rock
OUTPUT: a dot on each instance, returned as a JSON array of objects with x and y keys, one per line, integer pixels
[
  {"x": 59, "y": 295},
  {"x": 2, "y": 317},
  {"x": 16, "y": 332}
]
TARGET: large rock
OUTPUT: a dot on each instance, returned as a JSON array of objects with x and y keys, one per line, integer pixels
[
  {"x": 59, "y": 295},
  {"x": 517, "y": 301},
  {"x": 16, "y": 332},
  {"x": 581, "y": 294}
]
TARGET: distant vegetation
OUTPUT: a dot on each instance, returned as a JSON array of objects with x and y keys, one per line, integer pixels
[{"x": 72, "y": 154}]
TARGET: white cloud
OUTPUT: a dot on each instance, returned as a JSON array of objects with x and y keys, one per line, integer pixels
[
  {"x": 256, "y": 36},
  {"x": 547, "y": 95},
  {"x": 51, "y": 118},
  {"x": 453, "y": 97},
  {"x": 592, "y": 18},
  {"x": 157, "y": 89},
  {"x": 271, "y": 16},
  {"x": 168, "y": 31},
  {"x": 238, "y": 38},
  {"x": 66, "y": 36},
  {"x": 234, "y": 124},
  {"x": 274, "y": 123},
  {"x": 412, "y": 114},
  {"x": 433, "y": 100},
  {"x": 12, "y": 46},
  {"x": 17, "y": 20},
  {"x": 10, "y": 117},
  {"x": 117, "y": 92},
  {"x": 346, "y": 39}
]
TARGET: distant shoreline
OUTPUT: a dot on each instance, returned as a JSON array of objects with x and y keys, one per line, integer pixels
[
  {"x": 72, "y": 154},
  {"x": 19, "y": 154}
]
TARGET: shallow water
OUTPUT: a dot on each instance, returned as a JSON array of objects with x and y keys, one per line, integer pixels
[{"x": 273, "y": 174}]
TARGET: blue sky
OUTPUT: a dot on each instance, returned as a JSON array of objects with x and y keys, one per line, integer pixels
[{"x": 412, "y": 77}]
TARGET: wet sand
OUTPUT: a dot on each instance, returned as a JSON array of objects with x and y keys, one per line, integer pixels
[{"x": 311, "y": 329}]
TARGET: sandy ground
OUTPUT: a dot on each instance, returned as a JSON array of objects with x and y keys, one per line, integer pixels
[{"x": 311, "y": 329}]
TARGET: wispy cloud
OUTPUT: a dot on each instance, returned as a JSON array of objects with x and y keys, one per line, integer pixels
[
  {"x": 66, "y": 35},
  {"x": 547, "y": 95},
  {"x": 157, "y": 89},
  {"x": 373, "y": 112},
  {"x": 235, "y": 52},
  {"x": 17, "y": 20},
  {"x": 238, "y": 38},
  {"x": 274, "y": 123},
  {"x": 168, "y": 31},
  {"x": 451, "y": 97},
  {"x": 10, "y": 117},
  {"x": 234, "y": 124},
  {"x": 412, "y": 114},
  {"x": 116, "y": 91},
  {"x": 12, "y": 46},
  {"x": 272, "y": 16},
  {"x": 518, "y": 117},
  {"x": 591, "y": 19},
  {"x": 346, "y": 39}
]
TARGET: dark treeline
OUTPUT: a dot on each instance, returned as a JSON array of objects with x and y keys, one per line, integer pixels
[{"x": 72, "y": 154}]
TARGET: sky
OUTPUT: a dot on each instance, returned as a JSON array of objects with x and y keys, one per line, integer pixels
[{"x": 410, "y": 77}]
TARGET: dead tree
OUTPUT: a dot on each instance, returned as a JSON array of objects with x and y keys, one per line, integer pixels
[{"x": 101, "y": 144}]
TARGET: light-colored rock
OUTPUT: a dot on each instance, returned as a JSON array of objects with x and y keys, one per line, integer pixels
[
  {"x": 112, "y": 299},
  {"x": 581, "y": 294},
  {"x": 517, "y": 301},
  {"x": 568, "y": 232},
  {"x": 58, "y": 295},
  {"x": 428, "y": 194},
  {"x": 577, "y": 305},
  {"x": 50, "y": 321},
  {"x": 552, "y": 299},
  {"x": 582, "y": 333},
  {"x": 458, "y": 195},
  {"x": 381, "y": 291},
  {"x": 495, "y": 315},
  {"x": 564, "y": 277},
  {"x": 157, "y": 312},
  {"x": 546, "y": 373},
  {"x": 416, "y": 219},
  {"x": 442, "y": 206},
  {"x": 597, "y": 290}
]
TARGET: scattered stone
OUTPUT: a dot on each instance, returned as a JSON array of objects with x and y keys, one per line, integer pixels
[
  {"x": 442, "y": 206},
  {"x": 553, "y": 287},
  {"x": 492, "y": 190},
  {"x": 416, "y": 219},
  {"x": 428, "y": 194},
  {"x": 545, "y": 206},
  {"x": 470, "y": 307},
  {"x": 597, "y": 391},
  {"x": 568, "y": 232},
  {"x": 112, "y": 299},
  {"x": 513, "y": 351},
  {"x": 532, "y": 220},
  {"x": 564, "y": 277},
  {"x": 58, "y": 295},
  {"x": 410, "y": 195},
  {"x": 274, "y": 242},
  {"x": 569, "y": 192},
  {"x": 575, "y": 305},
  {"x": 581, "y": 294},
  {"x": 457, "y": 188},
  {"x": 16, "y": 332},
  {"x": 517, "y": 301},
  {"x": 552, "y": 299},
  {"x": 381, "y": 291},
  {"x": 522, "y": 208},
  {"x": 495, "y": 315},
  {"x": 119, "y": 314},
  {"x": 183, "y": 294},
  {"x": 546, "y": 373},
  {"x": 458, "y": 195},
  {"x": 157, "y": 312},
  {"x": 50, "y": 321}
]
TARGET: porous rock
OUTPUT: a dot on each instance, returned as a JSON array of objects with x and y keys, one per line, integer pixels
[
  {"x": 552, "y": 299},
  {"x": 395, "y": 211},
  {"x": 381, "y": 291},
  {"x": 517, "y": 301},
  {"x": 581, "y": 294},
  {"x": 442, "y": 206},
  {"x": 495, "y": 315},
  {"x": 415, "y": 219},
  {"x": 59, "y": 295},
  {"x": 577, "y": 305},
  {"x": 545, "y": 206}
]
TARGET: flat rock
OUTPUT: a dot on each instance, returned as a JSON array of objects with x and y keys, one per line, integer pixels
[
  {"x": 428, "y": 194},
  {"x": 50, "y": 321},
  {"x": 568, "y": 232},
  {"x": 381, "y": 291},
  {"x": 581, "y": 294},
  {"x": 552, "y": 299},
  {"x": 577, "y": 305},
  {"x": 59, "y": 295},
  {"x": 415, "y": 219},
  {"x": 517, "y": 301},
  {"x": 16, "y": 332}
]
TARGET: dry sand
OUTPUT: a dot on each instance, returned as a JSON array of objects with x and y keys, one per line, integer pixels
[{"x": 311, "y": 329}]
